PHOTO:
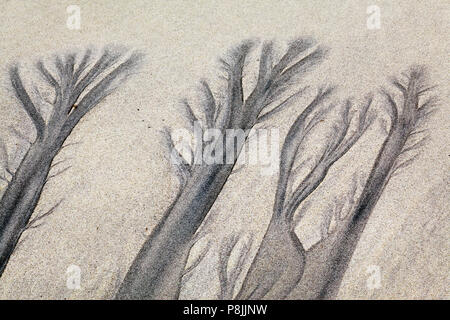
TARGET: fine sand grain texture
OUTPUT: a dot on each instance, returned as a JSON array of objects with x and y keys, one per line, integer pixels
[{"x": 120, "y": 181}]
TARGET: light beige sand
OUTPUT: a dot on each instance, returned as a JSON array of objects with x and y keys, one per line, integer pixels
[{"x": 120, "y": 183}]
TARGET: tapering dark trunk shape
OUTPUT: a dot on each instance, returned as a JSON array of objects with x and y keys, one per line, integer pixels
[
  {"x": 327, "y": 262},
  {"x": 279, "y": 263},
  {"x": 22, "y": 195},
  {"x": 162, "y": 258}
]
